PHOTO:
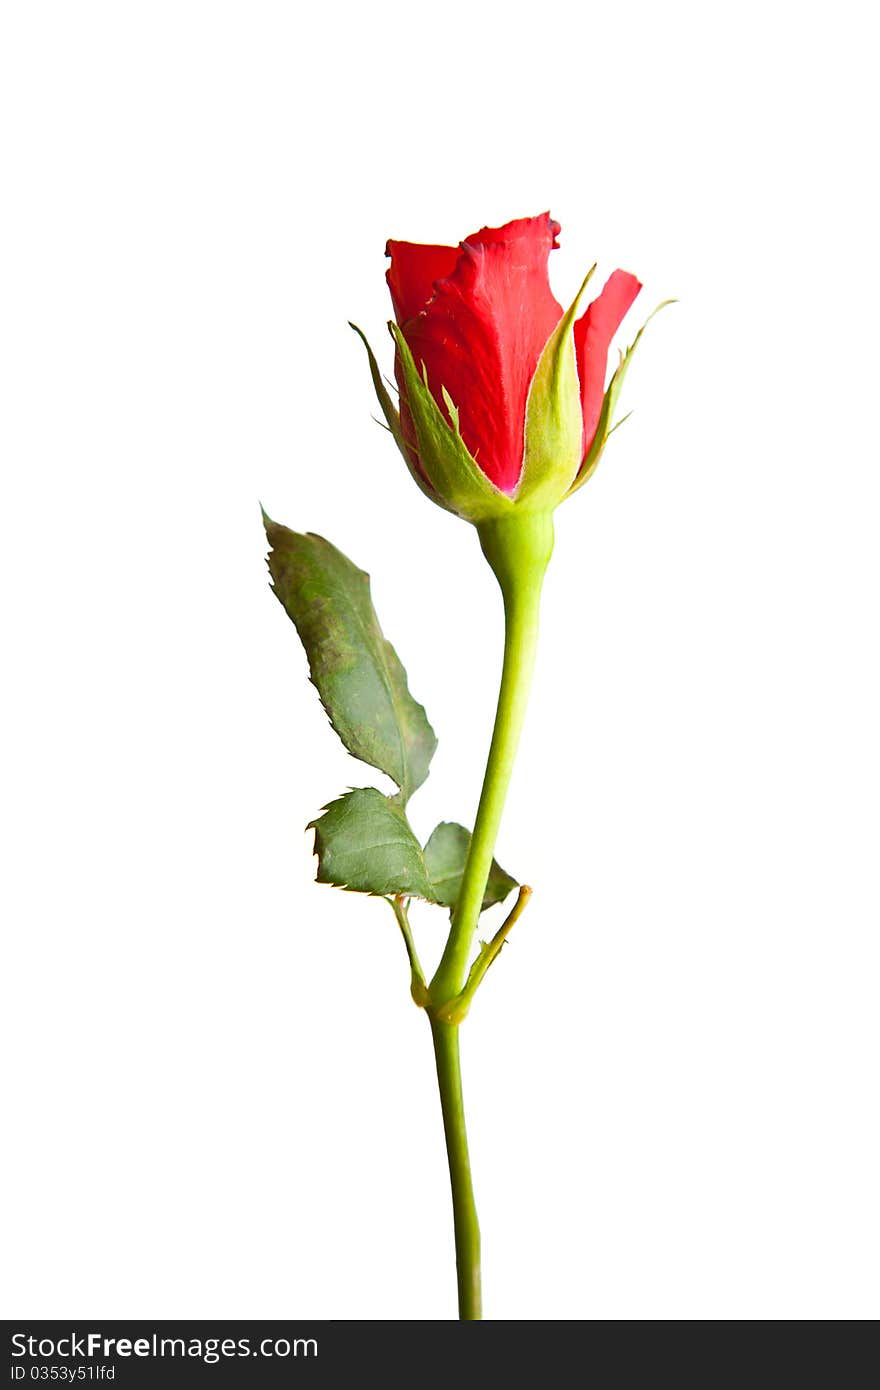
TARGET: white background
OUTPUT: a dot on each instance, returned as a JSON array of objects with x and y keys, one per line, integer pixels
[{"x": 221, "y": 1099}]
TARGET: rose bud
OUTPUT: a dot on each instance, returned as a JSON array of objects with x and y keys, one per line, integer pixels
[{"x": 503, "y": 404}]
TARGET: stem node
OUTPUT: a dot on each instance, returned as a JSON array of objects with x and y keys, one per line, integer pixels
[{"x": 456, "y": 1010}]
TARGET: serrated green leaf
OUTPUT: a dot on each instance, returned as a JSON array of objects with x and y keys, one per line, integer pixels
[
  {"x": 355, "y": 669},
  {"x": 445, "y": 856},
  {"x": 364, "y": 843}
]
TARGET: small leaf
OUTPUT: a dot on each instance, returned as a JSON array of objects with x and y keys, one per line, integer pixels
[
  {"x": 445, "y": 856},
  {"x": 356, "y": 671},
  {"x": 364, "y": 843}
]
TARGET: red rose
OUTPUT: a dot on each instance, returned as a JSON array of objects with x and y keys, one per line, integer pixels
[
  {"x": 502, "y": 395},
  {"x": 478, "y": 316}
]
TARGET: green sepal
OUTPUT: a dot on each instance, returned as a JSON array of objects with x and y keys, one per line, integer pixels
[
  {"x": 554, "y": 419},
  {"x": 357, "y": 672},
  {"x": 605, "y": 429},
  {"x": 445, "y": 857},
  {"x": 392, "y": 418},
  {"x": 364, "y": 843},
  {"x": 443, "y": 454}
]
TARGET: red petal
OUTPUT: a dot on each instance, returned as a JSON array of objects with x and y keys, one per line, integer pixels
[
  {"x": 592, "y": 338},
  {"x": 529, "y": 227},
  {"x": 412, "y": 273},
  {"x": 481, "y": 336}
]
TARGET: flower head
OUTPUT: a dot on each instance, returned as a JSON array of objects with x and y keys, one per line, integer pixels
[{"x": 503, "y": 400}]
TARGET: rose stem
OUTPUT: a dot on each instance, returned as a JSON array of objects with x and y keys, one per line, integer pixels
[
  {"x": 464, "y": 1211},
  {"x": 518, "y": 549}
]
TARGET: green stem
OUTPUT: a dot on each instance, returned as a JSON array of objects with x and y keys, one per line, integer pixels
[
  {"x": 518, "y": 549},
  {"x": 464, "y": 1211}
]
